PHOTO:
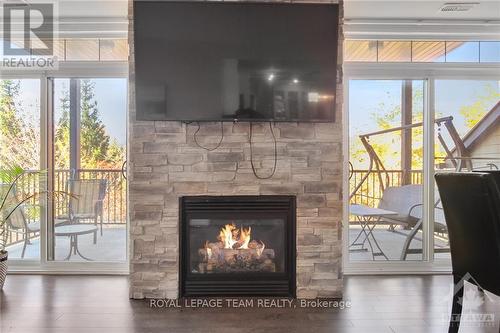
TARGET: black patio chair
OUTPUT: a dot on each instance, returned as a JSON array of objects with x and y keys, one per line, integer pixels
[{"x": 471, "y": 203}]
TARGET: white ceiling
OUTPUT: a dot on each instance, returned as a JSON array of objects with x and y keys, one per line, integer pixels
[
  {"x": 82, "y": 8},
  {"x": 419, "y": 10},
  {"x": 93, "y": 8},
  {"x": 364, "y": 18},
  {"x": 86, "y": 18},
  {"x": 354, "y": 9}
]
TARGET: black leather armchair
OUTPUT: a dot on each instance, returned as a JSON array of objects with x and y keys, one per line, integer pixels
[
  {"x": 495, "y": 174},
  {"x": 471, "y": 203}
]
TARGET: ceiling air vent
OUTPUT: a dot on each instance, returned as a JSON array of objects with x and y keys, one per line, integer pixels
[
  {"x": 16, "y": 3},
  {"x": 458, "y": 6}
]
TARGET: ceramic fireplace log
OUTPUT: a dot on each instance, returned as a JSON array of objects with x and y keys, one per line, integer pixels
[
  {"x": 212, "y": 258},
  {"x": 224, "y": 267},
  {"x": 229, "y": 254},
  {"x": 240, "y": 260}
]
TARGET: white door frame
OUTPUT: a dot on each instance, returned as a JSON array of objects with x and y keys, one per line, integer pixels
[
  {"x": 429, "y": 72},
  {"x": 66, "y": 70}
]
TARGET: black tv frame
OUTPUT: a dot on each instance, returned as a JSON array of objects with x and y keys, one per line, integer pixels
[{"x": 333, "y": 117}]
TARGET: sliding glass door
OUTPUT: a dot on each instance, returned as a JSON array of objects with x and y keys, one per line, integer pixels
[
  {"x": 63, "y": 150},
  {"x": 89, "y": 140},
  {"x": 20, "y": 156},
  {"x": 400, "y": 133},
  {"x": 386, "y": 158},
  {"x": 467, "y": 138}
]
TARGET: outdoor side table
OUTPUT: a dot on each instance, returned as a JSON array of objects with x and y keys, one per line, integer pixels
[
  {"x": 73, "y": 231},
  {"x": 368, "y": 218}
]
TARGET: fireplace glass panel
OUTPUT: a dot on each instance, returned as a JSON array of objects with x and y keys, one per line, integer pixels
[{"x": 236, "y": 246}]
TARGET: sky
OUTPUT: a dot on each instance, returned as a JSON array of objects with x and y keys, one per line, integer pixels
[
  {"x": 111, "y": 97},
  {"x": 110, "y": 94},
  {"x": 366, "y": 95}
]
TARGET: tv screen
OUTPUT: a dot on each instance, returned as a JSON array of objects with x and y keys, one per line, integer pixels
[{"x": 205, "y": 61}]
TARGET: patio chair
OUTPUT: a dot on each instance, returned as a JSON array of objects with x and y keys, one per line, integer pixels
[
  {"x": 17, "y": 221},
  {"x": 403, "y": 200},
  {"x": 395, "y": 208},
  {"x": 439, "y": 221},
  {"x": 439, "y": 228},
  {"x": 471, "y": 203},
  {"x": 86, "y": 201},
  {"x": 407, "y": 202}
]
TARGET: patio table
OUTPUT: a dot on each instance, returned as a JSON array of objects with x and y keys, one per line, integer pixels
[
  {"x": 368, "y": 218},
  {"x": 73, "y": 231}
]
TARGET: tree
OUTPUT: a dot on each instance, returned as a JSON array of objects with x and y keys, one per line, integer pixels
[
  {"x": 9, "y": 91},
  {"x": 96, "y": 148},
  {"x": 19, "y": 128},
  {"x": 115, "y": 155},
  {"x": 61, "y": 136},
  {"x": 388, "y": 145},
  {"x": 93, "y": 138},
  {"x": 474, "y": 112}
]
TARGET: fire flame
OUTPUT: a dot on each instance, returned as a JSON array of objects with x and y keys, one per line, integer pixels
[
  {"x": 260, "y": 249},
  {"x": 235, "y": 238}
]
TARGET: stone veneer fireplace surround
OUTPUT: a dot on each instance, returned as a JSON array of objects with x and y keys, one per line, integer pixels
[
  {"x": 237, "y": 246},
  {"x": 165, "y": 164}
]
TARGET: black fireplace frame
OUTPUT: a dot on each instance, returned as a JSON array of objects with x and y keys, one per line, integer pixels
[{"x": 249, "y": 284}]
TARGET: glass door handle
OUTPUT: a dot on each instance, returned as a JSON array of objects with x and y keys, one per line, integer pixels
[{"x": 124, "y": 169}]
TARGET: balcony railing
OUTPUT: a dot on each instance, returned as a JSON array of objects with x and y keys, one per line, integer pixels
[
  {"x": 371, "y": 189},
  {"x": 115, "y": 204}
]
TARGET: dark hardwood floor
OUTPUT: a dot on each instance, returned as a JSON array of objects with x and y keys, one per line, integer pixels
[{"x": 74, "y": 304}]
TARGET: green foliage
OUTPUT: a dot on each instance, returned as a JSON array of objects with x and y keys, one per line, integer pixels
[
  {"x": 388, "y": 146},
  {"x": 12, "y": 198},
  {"x": 19, "y": 137},
  {"x": 61, "y": 136},
  {"x": 94, "y": 140},
  {"x": 96, "y": 148},
  {"x": 9, "y": 124},
  {"x": 476, "y": 111},
  {"x": 9, "y": 174},
  {"x": 387, "y": 116},
  {"x": 8, "y": 178},
  {"x": 20, "y": 144}
]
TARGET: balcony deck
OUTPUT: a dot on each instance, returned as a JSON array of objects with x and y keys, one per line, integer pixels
[
  {"x": 111, "y": 246},
  {"x": 391, "y": 244}
]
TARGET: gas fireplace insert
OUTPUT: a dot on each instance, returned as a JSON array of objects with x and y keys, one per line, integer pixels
[{"x": 237, "y": 246}]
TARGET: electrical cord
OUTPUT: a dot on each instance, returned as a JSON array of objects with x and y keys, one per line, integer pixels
[
  {"x": 275, "y": 154},
  {"x": 220, "y": 141}
]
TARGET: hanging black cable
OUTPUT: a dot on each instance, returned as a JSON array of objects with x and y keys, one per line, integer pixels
[
  {"x": 275, "y": 153},
  {"x": 220, "y": 141}
]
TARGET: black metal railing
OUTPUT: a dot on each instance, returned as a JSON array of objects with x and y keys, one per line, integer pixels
[
  {"x": 372, "y": 188},
  {"x": 115, "y": 201}
]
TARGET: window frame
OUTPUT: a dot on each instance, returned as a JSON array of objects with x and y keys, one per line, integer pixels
[
  {"x": 429, "y": 72},
  {"x": 379, "y": 42},
  {"x": 83, "y": 69}
]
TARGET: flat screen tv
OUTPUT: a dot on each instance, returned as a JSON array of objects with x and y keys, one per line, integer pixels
[{"x": 230, "y": 61}]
